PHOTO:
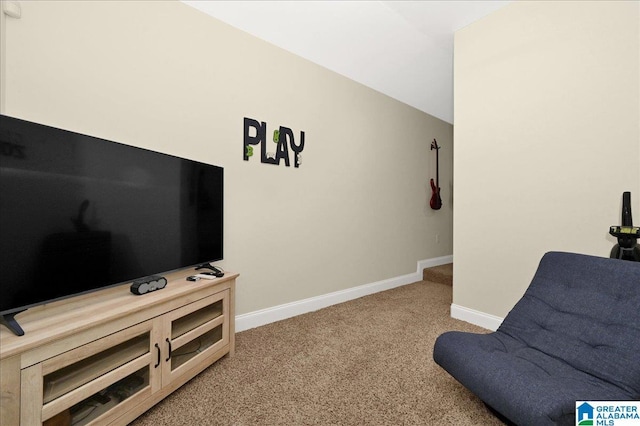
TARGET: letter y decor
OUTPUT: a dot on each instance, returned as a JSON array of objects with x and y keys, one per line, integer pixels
[{"x": 255, "y": 133}]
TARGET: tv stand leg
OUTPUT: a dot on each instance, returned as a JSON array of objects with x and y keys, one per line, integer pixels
[{"x": 10, "y": 322}]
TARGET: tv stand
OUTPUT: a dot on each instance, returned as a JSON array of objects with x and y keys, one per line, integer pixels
[
  {"x": 9, "y": 321},
  {"x": 106, "y": 357}
]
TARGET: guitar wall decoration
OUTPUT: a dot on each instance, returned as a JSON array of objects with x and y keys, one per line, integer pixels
[{"x": 436, "y": 201}]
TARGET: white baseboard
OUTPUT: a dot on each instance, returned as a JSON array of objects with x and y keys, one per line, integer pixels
[
  {"x": 288, "y": 310},
  {"x": 488, "y": 321},
  {"x": 430, "y": 263}
]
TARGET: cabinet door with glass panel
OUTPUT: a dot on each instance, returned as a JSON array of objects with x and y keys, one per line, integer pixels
[
  {"x": 93, "y": 383},
  {"x": 195, "y": 333}
]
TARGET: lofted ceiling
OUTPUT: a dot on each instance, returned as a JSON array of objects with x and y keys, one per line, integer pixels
[{"x": 403, "y": 49}]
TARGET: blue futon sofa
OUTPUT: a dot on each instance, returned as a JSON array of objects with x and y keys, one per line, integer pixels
[{"x": 574, "y": 335}]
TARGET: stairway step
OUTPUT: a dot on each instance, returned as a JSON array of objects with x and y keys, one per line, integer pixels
[{"x": 442, "y": 274}]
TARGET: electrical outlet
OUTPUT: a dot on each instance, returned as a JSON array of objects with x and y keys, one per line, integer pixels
[{"x": 437, "y": 238}]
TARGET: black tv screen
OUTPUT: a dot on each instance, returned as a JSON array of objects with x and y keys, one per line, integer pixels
[{"x": 78, "y": 213}]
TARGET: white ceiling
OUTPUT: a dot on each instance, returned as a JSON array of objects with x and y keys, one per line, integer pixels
[{"x": 401, "y": 48}]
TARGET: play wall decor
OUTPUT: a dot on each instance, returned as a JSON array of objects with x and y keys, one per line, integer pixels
[{"x": 255, "y": 133}]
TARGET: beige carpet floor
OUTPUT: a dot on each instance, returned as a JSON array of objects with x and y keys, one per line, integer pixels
[{"x": 364, "y": 362}]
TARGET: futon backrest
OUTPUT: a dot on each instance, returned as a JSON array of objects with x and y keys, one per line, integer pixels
[{"x": 585, "y": 311}]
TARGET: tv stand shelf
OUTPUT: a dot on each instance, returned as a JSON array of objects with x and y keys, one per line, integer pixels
[{"x": 107, "y": 356}]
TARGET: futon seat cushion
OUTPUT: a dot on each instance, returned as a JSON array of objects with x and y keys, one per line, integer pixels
[
  {"x": 525, "y": 385},
  {"x": 574, "y": 335}
]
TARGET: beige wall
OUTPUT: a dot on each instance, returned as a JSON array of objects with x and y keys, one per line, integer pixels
[
  {"x": 546, "y": 140},
  {"x": 164, "y": 76}
]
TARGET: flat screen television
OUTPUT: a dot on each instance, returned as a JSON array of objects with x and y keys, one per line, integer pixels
[{"x": 80, "y": 213}]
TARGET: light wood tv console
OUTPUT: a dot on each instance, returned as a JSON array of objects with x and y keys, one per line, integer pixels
[{"x": 108, "y": 356}]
